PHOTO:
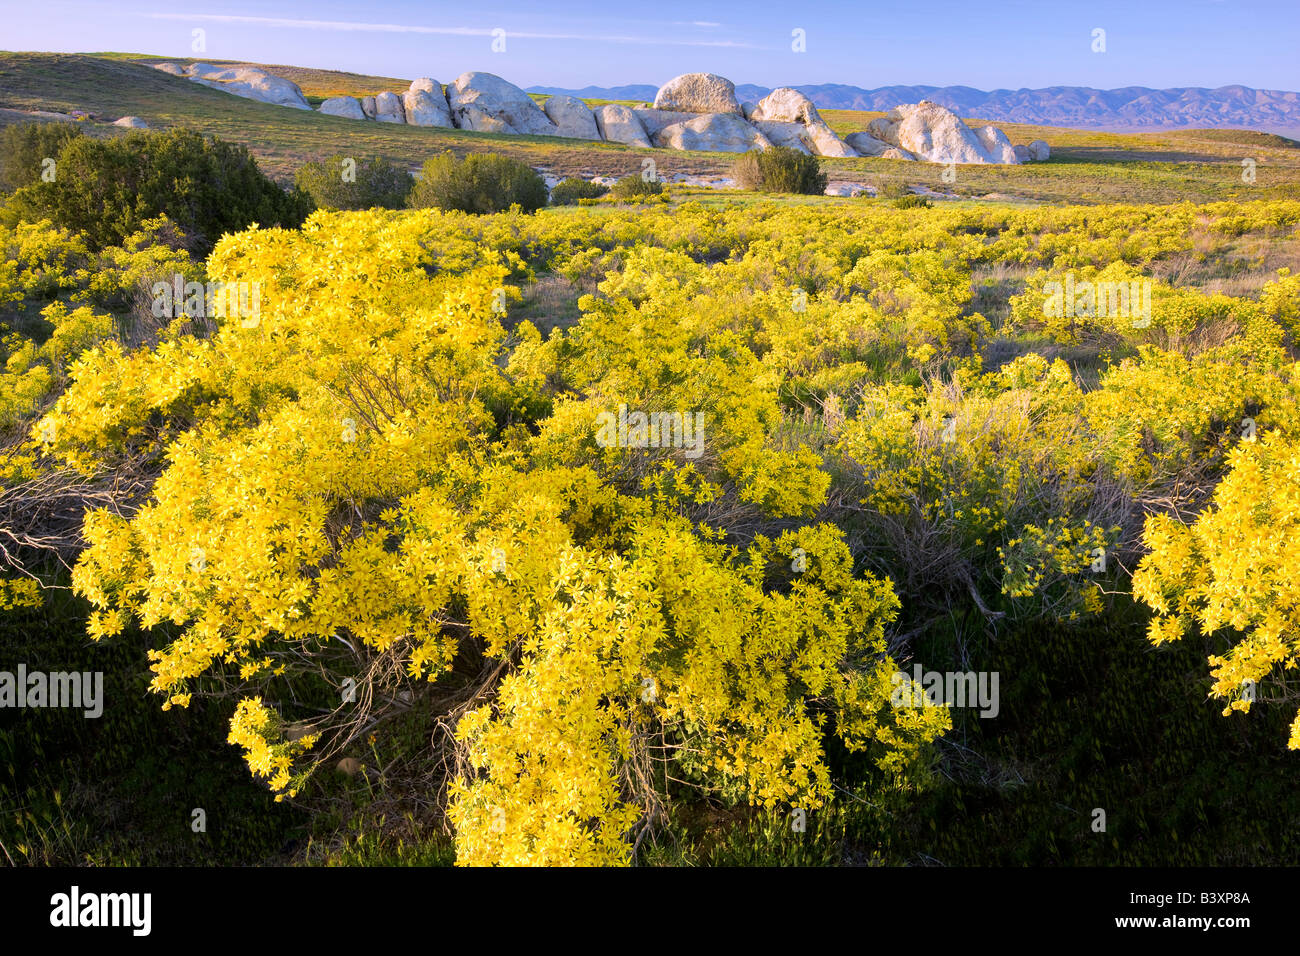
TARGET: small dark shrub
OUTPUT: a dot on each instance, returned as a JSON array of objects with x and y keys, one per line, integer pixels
[
  {"x": 781, "y": 169},
  {"x": 634, "y": 187},
  {"x": 370, "y": 183},
  {"x": 568, "y": 191},
  {"x": 892, "y": 190},
  {"x": 479, "y": 183}
]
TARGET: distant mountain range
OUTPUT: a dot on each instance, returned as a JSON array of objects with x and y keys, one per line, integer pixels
[{"x": 1130, "y": 108}]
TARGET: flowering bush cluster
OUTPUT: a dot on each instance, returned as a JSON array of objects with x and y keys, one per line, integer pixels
[{"x": 392, "y": 484}]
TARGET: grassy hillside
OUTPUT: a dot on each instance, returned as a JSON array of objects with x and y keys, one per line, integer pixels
[
  {"x": 1086, "y": 167},
  {"x": 315, "y": 84}
]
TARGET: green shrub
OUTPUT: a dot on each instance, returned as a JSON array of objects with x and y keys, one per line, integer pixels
[
  {"x": 343, "y": 183},
  {"x": 25, "y": 147},
  {"x": 634, "y": 187},
  {"x": 479, "y": 183},
  {"x": 569, "y": 191},
  {"x": 892, "y": 190},
  {"x": 780, "y": 169},
  {"x": 912, "y": 202},
  {"x": 108, "y": 188}
]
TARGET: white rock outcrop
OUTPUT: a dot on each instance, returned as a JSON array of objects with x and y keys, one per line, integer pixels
[
  {"x": 251, "y": 83},
  {"x": 714, "y": 133},
  {"x": 485, "y": 102},
  {"x": 618, "y": 124},
  {"x": 893, "y": 152},
  {"x": 785, "y": 114},
  {"x": 388, "y": 108},
  {"x": 345, "y": 106},
  {"x": 572, "y": 117},
  {"x": 936, "y": 134},
  {"x": 426, "y": 105},
  {"x": 652, "y": 120},
  {"x": 695, "y": 111},
  {"x": 131, "y": 122},
  {"x": 698, "y": 93},
  {"x": 996, "y": 145},
  {"x": 790, "y": 135},
  {"x": 826, "y": 142},
  {"x": 786, "y": 105},
  {"x": 867, "y": 145},
  {"x": 481, "y": 121}
]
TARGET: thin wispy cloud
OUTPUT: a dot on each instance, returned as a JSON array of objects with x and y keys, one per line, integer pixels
[{"x": 360, "y": 27}]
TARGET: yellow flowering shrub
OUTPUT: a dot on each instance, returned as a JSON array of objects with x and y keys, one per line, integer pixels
[
  {"x": 20, "y": 593},
  {"x": 355, "y": 470},
  {"x": 672, "y": 544},
  {"x": 1232, "y": 571}
]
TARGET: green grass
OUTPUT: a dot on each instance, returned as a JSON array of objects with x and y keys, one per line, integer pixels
[
  {"x": 1086, "y": 167},
  {"x": 1091, "y": 717},
  {"x": 121, "y": 789}
]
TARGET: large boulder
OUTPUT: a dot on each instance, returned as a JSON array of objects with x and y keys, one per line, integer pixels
[
  {"x": 481, "y": 121},
  {"x": 345, "y": 106},
  {"x": 931, "y": 132},
  {"x": 201, "y": 69},
  {"x": 131, "y": 122},
  {"x": 867, "y": 145},
  {"x": 1022, "y": 153},
  {"x": 388, "y": 108},
  {"x": 368, "y": 106},
  {"x": 254, "y": 84},
  {"x": 825, "y": 141},
  {"x": 485, "y": 102},
  {"x": 885, "y": 128},
  {"x": 425, "y": 105},
  {"x": 618, "y": 124},
  {"x": 698, "y": 93},
  {"x": 652, "y": 120},
  {"x": 787, "y": 106},
  {"x": 572, "y": 117},
  {"x": 713, "y": 132},
  {"x": 1039, "y": 151},
  {"x": 996, "y": 145},
  {"x": 171, "y": 68},
  {"x": 790, "y": 135},
  {"x": 894, "y": 152}
]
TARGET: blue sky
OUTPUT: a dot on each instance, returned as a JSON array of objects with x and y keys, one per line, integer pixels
[{"x": 1010, "y": 43}]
